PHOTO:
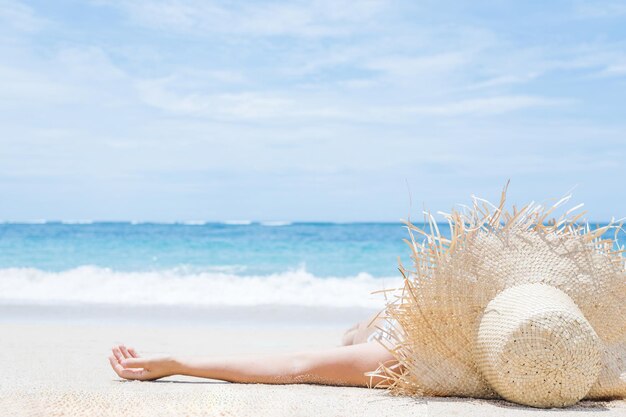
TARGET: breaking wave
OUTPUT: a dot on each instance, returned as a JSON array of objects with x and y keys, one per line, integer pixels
[{"x": 90, "y": 284}]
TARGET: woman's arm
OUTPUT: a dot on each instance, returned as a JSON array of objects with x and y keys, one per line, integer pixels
[{"x": 344, "y": 365}]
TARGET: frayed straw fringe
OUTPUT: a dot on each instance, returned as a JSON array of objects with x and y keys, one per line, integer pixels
[{"x": 434, "y": 316}]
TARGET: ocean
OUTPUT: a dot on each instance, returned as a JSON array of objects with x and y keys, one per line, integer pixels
[{"x": 201, "y": 264}]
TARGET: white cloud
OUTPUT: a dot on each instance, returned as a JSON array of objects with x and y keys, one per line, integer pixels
[
  {"x": 177, "y": 95},
  {"x": 232, "y": 106},
  {"x": 321, "y": 95},
  {"x": 600, "y": 9},
  {"x": 318, "y": 18},
  {"x": 618, "y": 69},
  {"x": 90, "y": 63},
  {"x": 21, "y": 85},
  {"x": 429, "y": 65},
  {"x": 17, "y": 15},
  {"x": 486, "y": 106},
  {"x": 69, "y": 75},
  {"x": 503, "y": 80}
]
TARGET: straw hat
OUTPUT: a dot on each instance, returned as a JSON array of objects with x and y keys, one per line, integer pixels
[{"x": 511, "y": 306}]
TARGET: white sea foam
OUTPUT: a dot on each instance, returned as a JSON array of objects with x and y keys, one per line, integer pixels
[
  {"x": 193, "y": 222},
  {"x": 90, "y": 284},
  {"x": 33, "y": 221},
  {"x": 238, "y": 222},
  {"x": 276, "y": 223},
  {"x": 77, "y": 221},
  {"x": 155, "y": 222}
]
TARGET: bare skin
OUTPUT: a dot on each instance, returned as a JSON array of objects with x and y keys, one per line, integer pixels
[
  {"x": 345, "y": 365},
  {"x": 360, "y": 332}
]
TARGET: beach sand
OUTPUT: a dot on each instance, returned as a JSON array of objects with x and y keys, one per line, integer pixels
[{"x": 53, "y": 362}]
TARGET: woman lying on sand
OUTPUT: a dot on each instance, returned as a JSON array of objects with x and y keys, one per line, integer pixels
[
  {"x": 346, "y": 365},
  {"x": 510, "y": 306}
]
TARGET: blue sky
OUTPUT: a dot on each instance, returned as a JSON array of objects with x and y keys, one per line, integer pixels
[{"x": 312, "y": 110}]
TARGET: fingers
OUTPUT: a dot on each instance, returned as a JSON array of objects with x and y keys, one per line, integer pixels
[
  {"x": 115, "y": 365},
  {"x": 135, "y": 363},
  {"x": 126, "y": 359},
  {"x": 117, "y": 353},
  {"x": 133, "y": 352},
  {"x": 125, "y": 351},
  {"x": 119, "y": 369},
  {"x": 124, "y": 372},
  {"x": 128, "y": 365}
]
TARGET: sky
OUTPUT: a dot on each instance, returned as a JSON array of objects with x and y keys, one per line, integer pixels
[{"x": 322, "y": 110}]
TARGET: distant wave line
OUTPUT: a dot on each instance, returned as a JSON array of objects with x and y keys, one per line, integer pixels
[{"x": 276, "y": 223}]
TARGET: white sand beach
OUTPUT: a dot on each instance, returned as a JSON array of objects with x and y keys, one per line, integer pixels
[{"x": 54, "y": 363}]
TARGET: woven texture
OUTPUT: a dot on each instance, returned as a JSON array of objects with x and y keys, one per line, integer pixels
[
  {"x": 577, "y": 315},
  {"x": 534, "y": 346}
]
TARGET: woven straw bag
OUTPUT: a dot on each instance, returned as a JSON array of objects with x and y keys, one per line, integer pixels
[{"x": 510, "y": 306}]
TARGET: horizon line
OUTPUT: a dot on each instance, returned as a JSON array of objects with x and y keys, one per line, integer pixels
[{"x": 276, "y": 223}]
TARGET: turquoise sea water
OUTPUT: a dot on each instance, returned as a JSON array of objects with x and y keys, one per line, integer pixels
[
  {"x": 201, "y": 263},
  {"x": 324, "y": 249}
]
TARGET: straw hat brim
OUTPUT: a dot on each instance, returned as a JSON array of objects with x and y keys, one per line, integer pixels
[{"x": 435, "y": 317}]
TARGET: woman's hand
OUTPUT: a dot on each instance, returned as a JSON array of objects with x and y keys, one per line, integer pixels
[{"x": 129, "y": 365}]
